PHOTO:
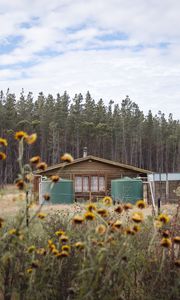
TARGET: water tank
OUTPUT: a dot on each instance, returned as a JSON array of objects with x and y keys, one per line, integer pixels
[
  {"x": 127, "y": 190},
  {"x": 61, "y": 192}
]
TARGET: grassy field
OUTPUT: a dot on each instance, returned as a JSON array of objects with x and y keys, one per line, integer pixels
[{"x": 85, "y": 251}]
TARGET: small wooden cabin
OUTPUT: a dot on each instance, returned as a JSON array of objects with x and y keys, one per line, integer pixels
[{"x": 92, "y": 175}]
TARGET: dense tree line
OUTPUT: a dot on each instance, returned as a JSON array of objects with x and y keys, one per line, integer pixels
[{"x": 119, "y": 132}]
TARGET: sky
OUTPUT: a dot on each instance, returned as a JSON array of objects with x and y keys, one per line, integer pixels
[{"x": 112, "y": 48}]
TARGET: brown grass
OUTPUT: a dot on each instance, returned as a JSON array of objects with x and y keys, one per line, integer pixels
[{"x": 11, "y": 201}]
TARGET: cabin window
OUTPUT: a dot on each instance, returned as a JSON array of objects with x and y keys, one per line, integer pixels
[
  {"x": 85, "y": 183},
  {"x": 89, "y": 183},
  {"x": 101, "y": 184},
  {"x": 94, "y": 184},
  {"x": 78, "y": 184}
]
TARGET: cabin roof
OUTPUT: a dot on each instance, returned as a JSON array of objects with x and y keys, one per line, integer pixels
[{"x": 98, "y": 159}]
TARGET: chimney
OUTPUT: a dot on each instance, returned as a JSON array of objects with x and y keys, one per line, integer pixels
[{"x": 84, "y": 151}]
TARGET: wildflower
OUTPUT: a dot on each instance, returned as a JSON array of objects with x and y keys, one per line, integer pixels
[
  {"x": 177, "y": 263},
  {"x": 141, "y": 204},
  {"x": 79, "y": 245},
  {"x": 41, "y": 166},
  {"x": 46, "y": 197},
  {"x": 136, "y": 228},
  {"x": 59, "y": 233},
  {"x": 164, "y": 218},
  {"x": 55, "y": 178},
  {"x": 119, "y": 209},
  {"x": 35, "y": 264},
  {"x": 67, "y": 158},
  {"x": 107, "y": 200},
  {"x": 20, "y": 134},
  {"x": 102, "y": 212},
  {"x": 91, "y": 207},
  {"x": 20, "y": 184},
  {"x": 41, "y": 251},
  {"x": 52, "y": 247},
  {"x": 35, "y": 159},
  {"x": 2, "y": 156},
  {"x": 41, "y": 215},
  {"x": 29, "y": 271},
  {"x": 127, "y": 206},
  {"x": 78, "y": 219},
  {"x": 101, "y": 229},
  {"x": 55, "y": 251},
  {"x": 89, "y": 216},
  {"x": 31, "y": 249},
  {"x": 66, "y": 248},
  {"x": 62, "y": 254},
  {"x": 3, "y": 142},
  {"x": 137, "y": 217},
  {"x": 165, "y": 233},
  {"x": 129, "y": 231},
  {"x": 64, "y": 238},
  {"x": 165, "y": 242},
  {"x": 117, "y": 224},
  {"x": 30, "y": 139},
  {"x": 176, "y": 239},
  {"x": 12, "y": 231}
]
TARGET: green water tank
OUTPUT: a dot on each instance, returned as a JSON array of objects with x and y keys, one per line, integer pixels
[
  {"x": 61, "y": 192},
  {"x": 127, "y": 190}
]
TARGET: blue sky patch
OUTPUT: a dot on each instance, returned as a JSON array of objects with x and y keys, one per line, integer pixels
[
  {"x": 113, "y": 36},
  {"x": 10, "y": 43},
  {"x": 34, "y": 21}
]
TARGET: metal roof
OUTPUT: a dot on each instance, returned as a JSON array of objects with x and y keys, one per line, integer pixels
[{"x": 94, "y": 158}]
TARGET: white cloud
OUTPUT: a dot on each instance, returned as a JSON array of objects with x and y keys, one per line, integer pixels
[{"x": 109, "y": 68}]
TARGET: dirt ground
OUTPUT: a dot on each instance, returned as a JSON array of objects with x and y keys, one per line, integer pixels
[{"x": 11, "y": 201}]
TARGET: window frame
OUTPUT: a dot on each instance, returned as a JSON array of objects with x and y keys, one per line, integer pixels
[{"x": 89, "y": 183}]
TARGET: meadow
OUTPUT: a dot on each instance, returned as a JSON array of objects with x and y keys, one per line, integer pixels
[
  {"x": 88, "y": 251},
  {"x": 85, "y": 251}
]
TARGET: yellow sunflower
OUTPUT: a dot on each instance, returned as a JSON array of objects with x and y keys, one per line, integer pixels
[
  {"x": 3, "y": 142},
  {"x": 62, "y": 254},
  {"x": 20, "y": 134},
  {"x": 141, "y": 204},
  {"x": 137, "y": 217},
  {"x": 30, "y": 139},
  {"x": 164, "y": 218},
  {"x": 41, "y": 215},
  {"x": 107, "y": 200},
  {"x": 66, "y": 248},
  {"x": 67, "y": 158},
  {"x": 78, "y": 219},
  {"x": 2, "y": 156},
  {"x": 55, "y": 178},
  {"x": 127, "y": 206},
  {"x": 35, "y": 159},
  {"x": 165, "y": 242},
  {"x": 91, "y": 207},
  {"x": 100, "y": 229},
  {"x": 79, "y": 245},
  {"x": 41, "y": 166},
  {"x": 102, "y": 212},
  {"x": 89, "y": 216}
]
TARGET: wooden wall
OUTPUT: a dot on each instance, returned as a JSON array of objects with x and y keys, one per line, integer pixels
[{"x": 92, "y": 167}]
